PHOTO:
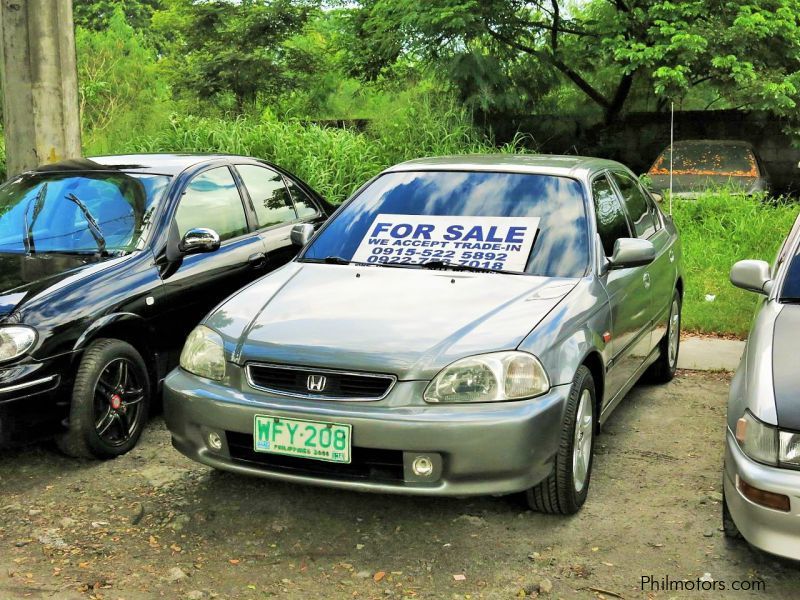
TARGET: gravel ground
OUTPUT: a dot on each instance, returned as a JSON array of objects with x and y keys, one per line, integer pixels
[{"x": 152, "y": 524}]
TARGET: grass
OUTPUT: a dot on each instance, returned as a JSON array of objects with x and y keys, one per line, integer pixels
[{"x": 717, "y": 230}]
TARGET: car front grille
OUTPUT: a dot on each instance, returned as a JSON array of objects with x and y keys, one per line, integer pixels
[
  {"x": 308, "y": 382},
  {"x": 365, "y": 463}
]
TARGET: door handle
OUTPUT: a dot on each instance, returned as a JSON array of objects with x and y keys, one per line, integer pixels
[
  {"x": 646, "y": 280},
  {"x": 257, "y": 260}
]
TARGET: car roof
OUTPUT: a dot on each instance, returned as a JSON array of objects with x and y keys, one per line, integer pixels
[
  {"x": 162, "y": 164},
  {"x": 539, "y": 164}
]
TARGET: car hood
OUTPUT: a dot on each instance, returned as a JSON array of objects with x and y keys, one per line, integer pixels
[
  {"x": 691, "y": 185},
  {"x": 23, "y": 276},
  {"x": 407, "y": 322},
  {"x": 786, "y": 377}
]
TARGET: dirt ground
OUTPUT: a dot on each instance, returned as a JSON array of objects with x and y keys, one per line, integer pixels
[{"x": 152, "y": 524}]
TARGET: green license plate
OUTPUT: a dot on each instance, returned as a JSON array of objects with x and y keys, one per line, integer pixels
[{"x": 297, "y": 437}]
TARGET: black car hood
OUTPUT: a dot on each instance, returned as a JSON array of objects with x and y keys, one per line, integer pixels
[
  {"x": 785, "y": 374},
  {"x": 22, "y": 275}
]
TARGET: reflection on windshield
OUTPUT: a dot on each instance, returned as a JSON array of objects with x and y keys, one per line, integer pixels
[
  {"x": 561, "y": 248},
  {"x": 91, "y": 212}
]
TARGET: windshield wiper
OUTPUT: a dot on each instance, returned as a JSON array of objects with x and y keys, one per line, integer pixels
[
  {"x": 442, "y": 265},
  {"x": 329, "y": 260},
  {"x": 36, "y": 203},
  {"x": 94, "y": 228}
]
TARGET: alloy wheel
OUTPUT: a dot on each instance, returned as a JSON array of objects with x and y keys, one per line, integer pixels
[
  {"x": 582, "y": 443},
  {"x": 118, "y": 397}
]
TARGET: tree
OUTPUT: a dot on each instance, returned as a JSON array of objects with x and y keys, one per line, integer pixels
[
  {"x": 96, "y": 14},
  {"x": 220, "y": 47},
  {"x": 748, "y": 51}
]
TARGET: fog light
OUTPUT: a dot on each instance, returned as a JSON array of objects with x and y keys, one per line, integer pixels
[
  {"x": 422, "y": 466},
  {"x": 214, "y": 441}
]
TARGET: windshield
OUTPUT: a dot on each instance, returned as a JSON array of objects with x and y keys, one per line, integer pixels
[
  {"x": 534, "y": 224},
  {"x": 75, "y": 213},
  {"x": 791, "y": 285},
  {"x": 708, "y": 159}
]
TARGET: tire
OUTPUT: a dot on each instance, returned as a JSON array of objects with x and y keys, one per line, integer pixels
[
  {"x": 663, "y": 370},
  {"x": 563, "y": 492},
  {"x": 110, "y": 401},
  {"x": 729, "y": 528}
]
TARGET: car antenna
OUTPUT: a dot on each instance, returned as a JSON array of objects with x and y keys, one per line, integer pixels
[{"x": 671, "y": 142}]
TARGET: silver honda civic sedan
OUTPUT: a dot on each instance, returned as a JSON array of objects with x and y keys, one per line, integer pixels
[
  {"x": 460, "y": 326},
  {"x": 762, "y": 456}
]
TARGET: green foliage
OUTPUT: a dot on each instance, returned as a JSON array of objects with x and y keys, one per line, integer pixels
[
  {"x": 717, "y": 230},
  {"x": 97, "y": 14},
  {"x": 119, "y": 84},
  {"x": 220, "y": 48}
]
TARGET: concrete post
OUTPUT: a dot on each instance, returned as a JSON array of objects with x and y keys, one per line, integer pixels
[{"x": 40, "y": 83}]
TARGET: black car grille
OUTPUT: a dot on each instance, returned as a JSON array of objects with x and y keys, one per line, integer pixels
[
  {"x": 365, "y": 463},
  {"x": 337, "y": 384}
]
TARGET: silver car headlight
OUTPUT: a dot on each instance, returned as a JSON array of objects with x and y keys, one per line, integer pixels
[
  {"x": 203, "y": 353},
  {"x": 767, "y": 444},
  {"x": 495, "y": 377},
  {"x": 15, "y": 340}
]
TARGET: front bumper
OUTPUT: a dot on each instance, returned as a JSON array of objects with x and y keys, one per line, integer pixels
[
  {"x": 493, "y": 448},
  {"x": 33, "y": 399},
  {"x": 770, "y": 530}
]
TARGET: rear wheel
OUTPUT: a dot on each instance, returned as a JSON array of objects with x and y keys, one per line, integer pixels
[
  {"x": 565, "y": 490},
  {"x": 663, "y": 370},
  {"x": 110, "y": 401}
]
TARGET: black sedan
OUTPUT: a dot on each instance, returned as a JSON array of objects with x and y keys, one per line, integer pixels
[{"x": 107, "y": 263}]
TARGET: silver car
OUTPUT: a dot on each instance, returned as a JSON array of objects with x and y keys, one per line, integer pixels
[
  {"x": 762, "y": 456},
  {"x": 460, "y": 326}
]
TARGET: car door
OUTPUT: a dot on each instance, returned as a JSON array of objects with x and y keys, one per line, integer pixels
[
  {"x": 628, "y": 291},
  {"x": 274, "y": 210},
  {"x": 198, "y": 282},
  {"x": 648, "y": 224}
]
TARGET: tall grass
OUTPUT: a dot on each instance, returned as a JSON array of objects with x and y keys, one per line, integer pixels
[
  {"x": 718, "y": 229},
  {"x": 332, "y": 161}
]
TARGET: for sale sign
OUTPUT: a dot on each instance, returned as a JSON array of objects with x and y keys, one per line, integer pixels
[{"x": 497, "y": 243}]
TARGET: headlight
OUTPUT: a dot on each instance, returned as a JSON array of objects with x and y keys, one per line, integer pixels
[
  {"x": 203, "y": 353},
  {"x": 767, "y": 444},
  {"x": 15, "y": 340},
  {"x": 495, "y": 377}
]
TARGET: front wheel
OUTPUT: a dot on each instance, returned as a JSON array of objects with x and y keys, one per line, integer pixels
[
  {"x": 110, "y": 401},
  {"x": 565, "y": 490},
  {"x": 663, "y": 370}
]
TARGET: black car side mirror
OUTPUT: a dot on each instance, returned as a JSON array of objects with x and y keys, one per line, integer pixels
[
  {"x": 301, "y": 233},
  {"x": 199, "y": 239}
]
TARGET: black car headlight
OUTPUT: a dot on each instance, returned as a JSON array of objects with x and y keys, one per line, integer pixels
[
  {"x": 767, "y": 444},
  {"x": 15, "y": 340}
]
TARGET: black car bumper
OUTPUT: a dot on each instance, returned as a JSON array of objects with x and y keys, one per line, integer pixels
[{"x": 34, "y": 399}]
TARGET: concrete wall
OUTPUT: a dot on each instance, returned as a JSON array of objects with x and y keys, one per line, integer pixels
[{"x": 637, "y": 140}]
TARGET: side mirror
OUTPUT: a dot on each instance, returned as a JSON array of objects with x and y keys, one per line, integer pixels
[
  {"x": 658, "y": 197},
  {"x": 301, "y": 234},
  {"x": 752, "y": 275},
  {"x": 199, "y": 240},
  {"x": 632, "y": 252}
]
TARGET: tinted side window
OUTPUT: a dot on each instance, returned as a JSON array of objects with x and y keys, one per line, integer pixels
[
  {"x": 611, "y": 221},
  {"x": 212, "y": 200},
  {"x": 638, "y": 207},
  {"x": 305, "y": 205},
  {"x": 270, "y": 197}
]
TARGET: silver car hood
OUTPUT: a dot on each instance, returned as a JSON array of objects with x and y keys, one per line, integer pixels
[{"x": 407, "y": 322}]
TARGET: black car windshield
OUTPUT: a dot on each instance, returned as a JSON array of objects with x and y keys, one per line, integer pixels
[
  {"x": 791, "y": 285},
  {"x": 509, "y": 222},
  {"x": 106, "y": 212}
]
